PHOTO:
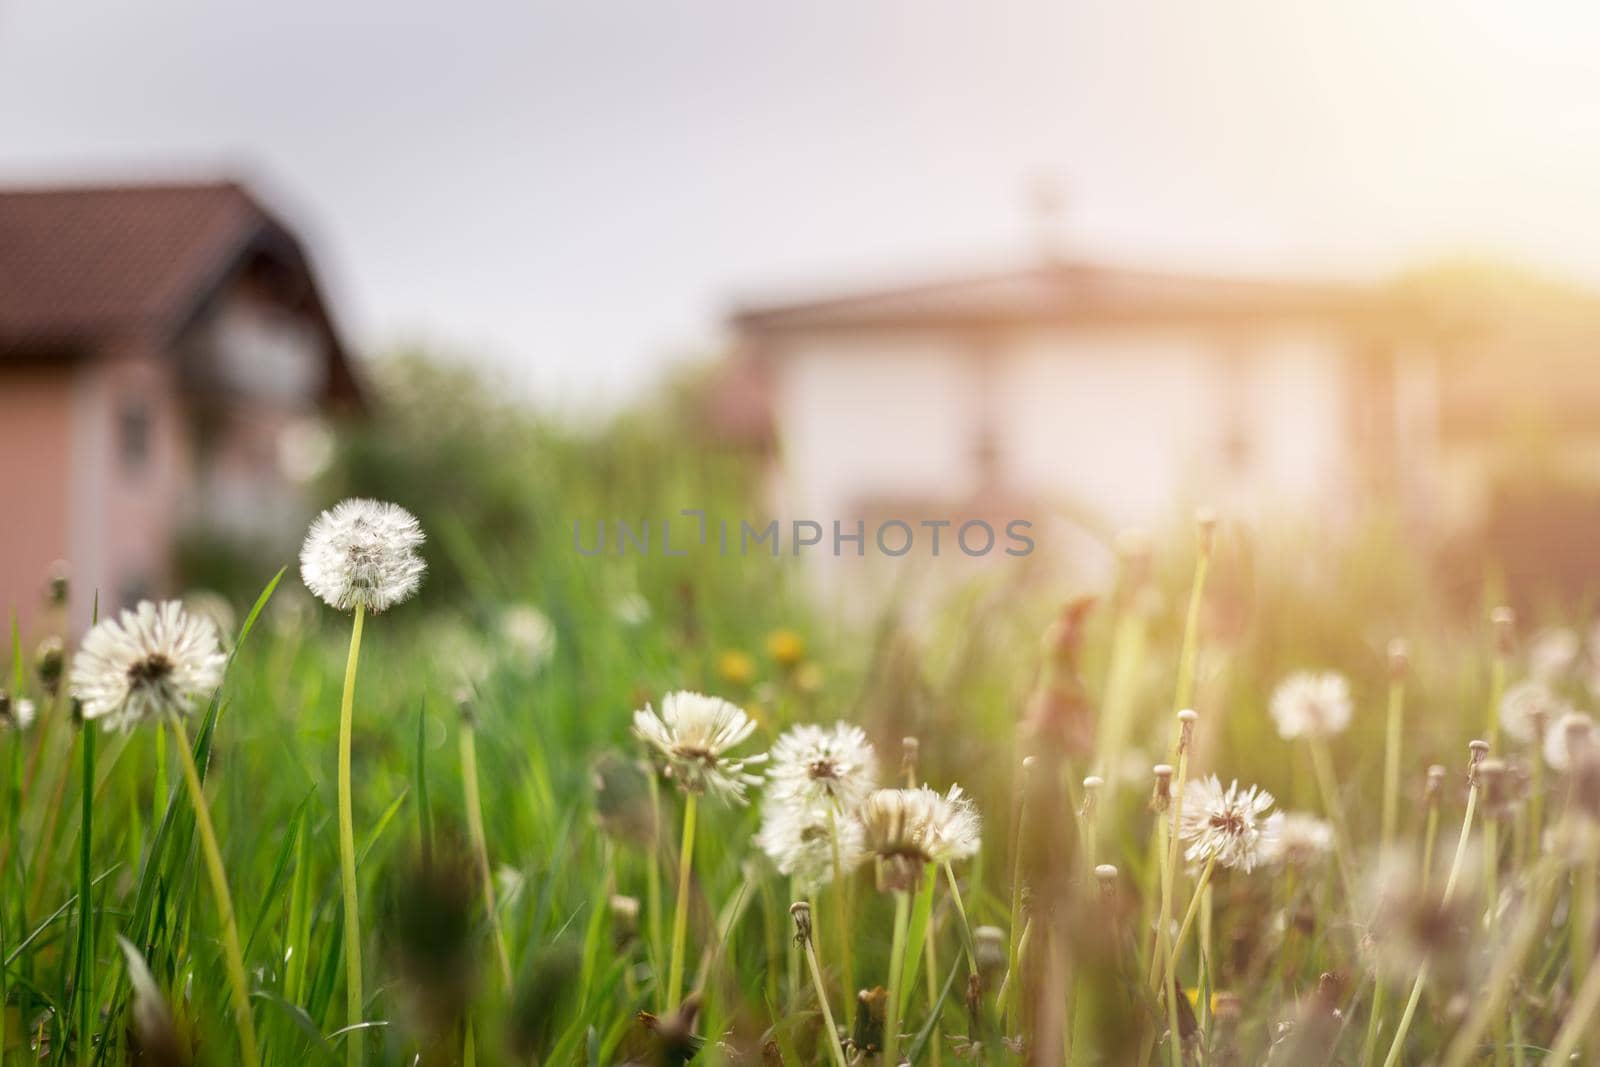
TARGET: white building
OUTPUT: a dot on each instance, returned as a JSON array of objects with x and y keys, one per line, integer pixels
[{"x": 1088, "y": 399}]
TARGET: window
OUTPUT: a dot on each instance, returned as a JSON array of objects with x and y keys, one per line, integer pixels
[{"x": 133, "y": 436}]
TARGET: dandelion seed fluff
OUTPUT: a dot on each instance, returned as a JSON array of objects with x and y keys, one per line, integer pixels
[
  {"x": 1567, "y": 738},
  {"x": 817, "y": 765},
  {"x": 909, "y": 828},
  {"x": 692, "y": 735},
  {"x": 149, "y": 661},
  {"x": 799, "y": 839},
  {"x": 1295, "y": 838},
  {"x": 1311, "y": 704},
  {"x": 1224, "y": 824},
  {"x": 16, "y": 714},
  {"x": 363, "y": 553},
  {"x": 1528, "y": 709}
]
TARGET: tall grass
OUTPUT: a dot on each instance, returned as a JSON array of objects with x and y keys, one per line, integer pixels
[{"x": 490, "y": 863}]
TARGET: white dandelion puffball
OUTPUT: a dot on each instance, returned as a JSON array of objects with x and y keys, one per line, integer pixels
[
  {"x": 799, "y": 838},
  {"x": 909, "y": 828},
  {"x": 528, "y": 633},
  {"x": 1528, "y": 709},
  {"x": 1311, "y": 704},
  {"x": 1553, "y": 652},
  {"x": 363, "y": 553},
  {"x": 824, "y": 766},
  {"x": 692, "y": 734},
  {"x": 1224, "y": 824},
  {"x": 15, "y": 714},
  {"x": 149, "y": 661},
  {"x": 1567, "y": 738},
  {"x": 1295, "y": 838}
]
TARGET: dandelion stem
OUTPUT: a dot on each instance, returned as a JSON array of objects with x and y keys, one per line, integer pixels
[
  {"x": 1585, "y": 1002},
  {"x": 219, "y": 889},
  {"x": 1188, "y": 919},
  {"x": 652, "y": 890},
  {"x": 1391, "y": 759},
  {"x": 897, "y": 952},
  {"x": 1489, "y": 1006},
  {"x": 841, "y": 896},
  {"x": 967, "y": 941},
  {"x": 1410, "y": 1012},
  {"x": 835, "y": 1046},
  {"x": 480, "y": 842},
  {"x": 354, "y": 999},
  {"x": 1014, "y": 950},
  {"x": 1327, "y": 785},
  {"x": 680, "y": 915},
  {"x": 85, "y": 985}
]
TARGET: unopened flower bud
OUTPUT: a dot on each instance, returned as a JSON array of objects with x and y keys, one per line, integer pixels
[
  {"x": 1186, "y": 720},
  {"x": 1435, "y": 784},
  {"x": 1504, "y": 622},
  {"x": 1399, "y": 659},
  {"x": 59, "y": 584},
  {"x": 49, "y": 661},
  {"x": 800, "y": 912},
  {"x": 910, "y": 753},
  {"x": 1205, "y": 525},
  {"x": 989, "y": 943},
  {"x": 1161, "y": 796}
]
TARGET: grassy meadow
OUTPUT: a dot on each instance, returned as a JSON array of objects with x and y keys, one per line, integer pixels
[{"x": 518, "y": 851}]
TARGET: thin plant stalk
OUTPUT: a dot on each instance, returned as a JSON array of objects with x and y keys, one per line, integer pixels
[
  {"x": 680, "y": 915},
  {"x": 967, "y": 941},
  {"x": 212, "y": 851},
  {"x": 354, "y": 999},
  {"x": 85, "y": 984},
  {"x": 1391, "y": 821},
  {"x": 1014, "y": 947},
  {"x": 1489, "y": 1007},
  {"x": 835, "y": 1046},
  {"x": 652, "y": 890},
  {"x": 1580, "y": 1016},
  {"x": 1170, "y": 844},
  {"x": 1410, "y": 1012},
  {"x": 480, "y": 842},
  {"x": 1327, "y": 785},
  {"x": 1188, "y": 918},
  {"x": 842, "y": 923},
  {"x": 897, "y": 952}
]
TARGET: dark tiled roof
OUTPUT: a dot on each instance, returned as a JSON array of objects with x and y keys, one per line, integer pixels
[
  {"x": 82, "y": 264},
  {"x": 79, "y": 263}
]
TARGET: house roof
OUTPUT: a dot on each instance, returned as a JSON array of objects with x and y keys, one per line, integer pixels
[
  {"x": 1058, "y": 292},
  {"x": 81, "y": 264}
]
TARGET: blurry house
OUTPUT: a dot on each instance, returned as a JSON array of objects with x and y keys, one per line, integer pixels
[
  {"x": 1089, "y": 398},
  {"x": 165, "y": 356}
]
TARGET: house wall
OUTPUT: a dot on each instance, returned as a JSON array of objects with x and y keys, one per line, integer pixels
[
  {"x": 1120, "y": 426},
  {"x": 131, "y": 468},
  {"x": 35, "y": 477}
]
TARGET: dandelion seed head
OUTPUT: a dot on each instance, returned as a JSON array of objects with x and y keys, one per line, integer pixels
[
  {"x": 817, "y": 765},
  {"x": 363, "y": 553},
  {"x": 1552, "y": 653},
  {"x": 1528, "y": 708},
  {"x": 799, "y": 838},
  {"x": 1570, "y": 737},
  {"x": 151, "y": 660},
  {"x": 1311, "y": 704},
  {"x": 15, "y": 714},
  {"x": 908, "y": 828},
  {"x": 691, "y": 736},
  {"x": 1225, "y": 824},
  {"x": 1295, "y": 838}
]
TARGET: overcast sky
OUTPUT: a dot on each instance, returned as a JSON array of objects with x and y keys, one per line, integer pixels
[{"x": 577, "y": 191}]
